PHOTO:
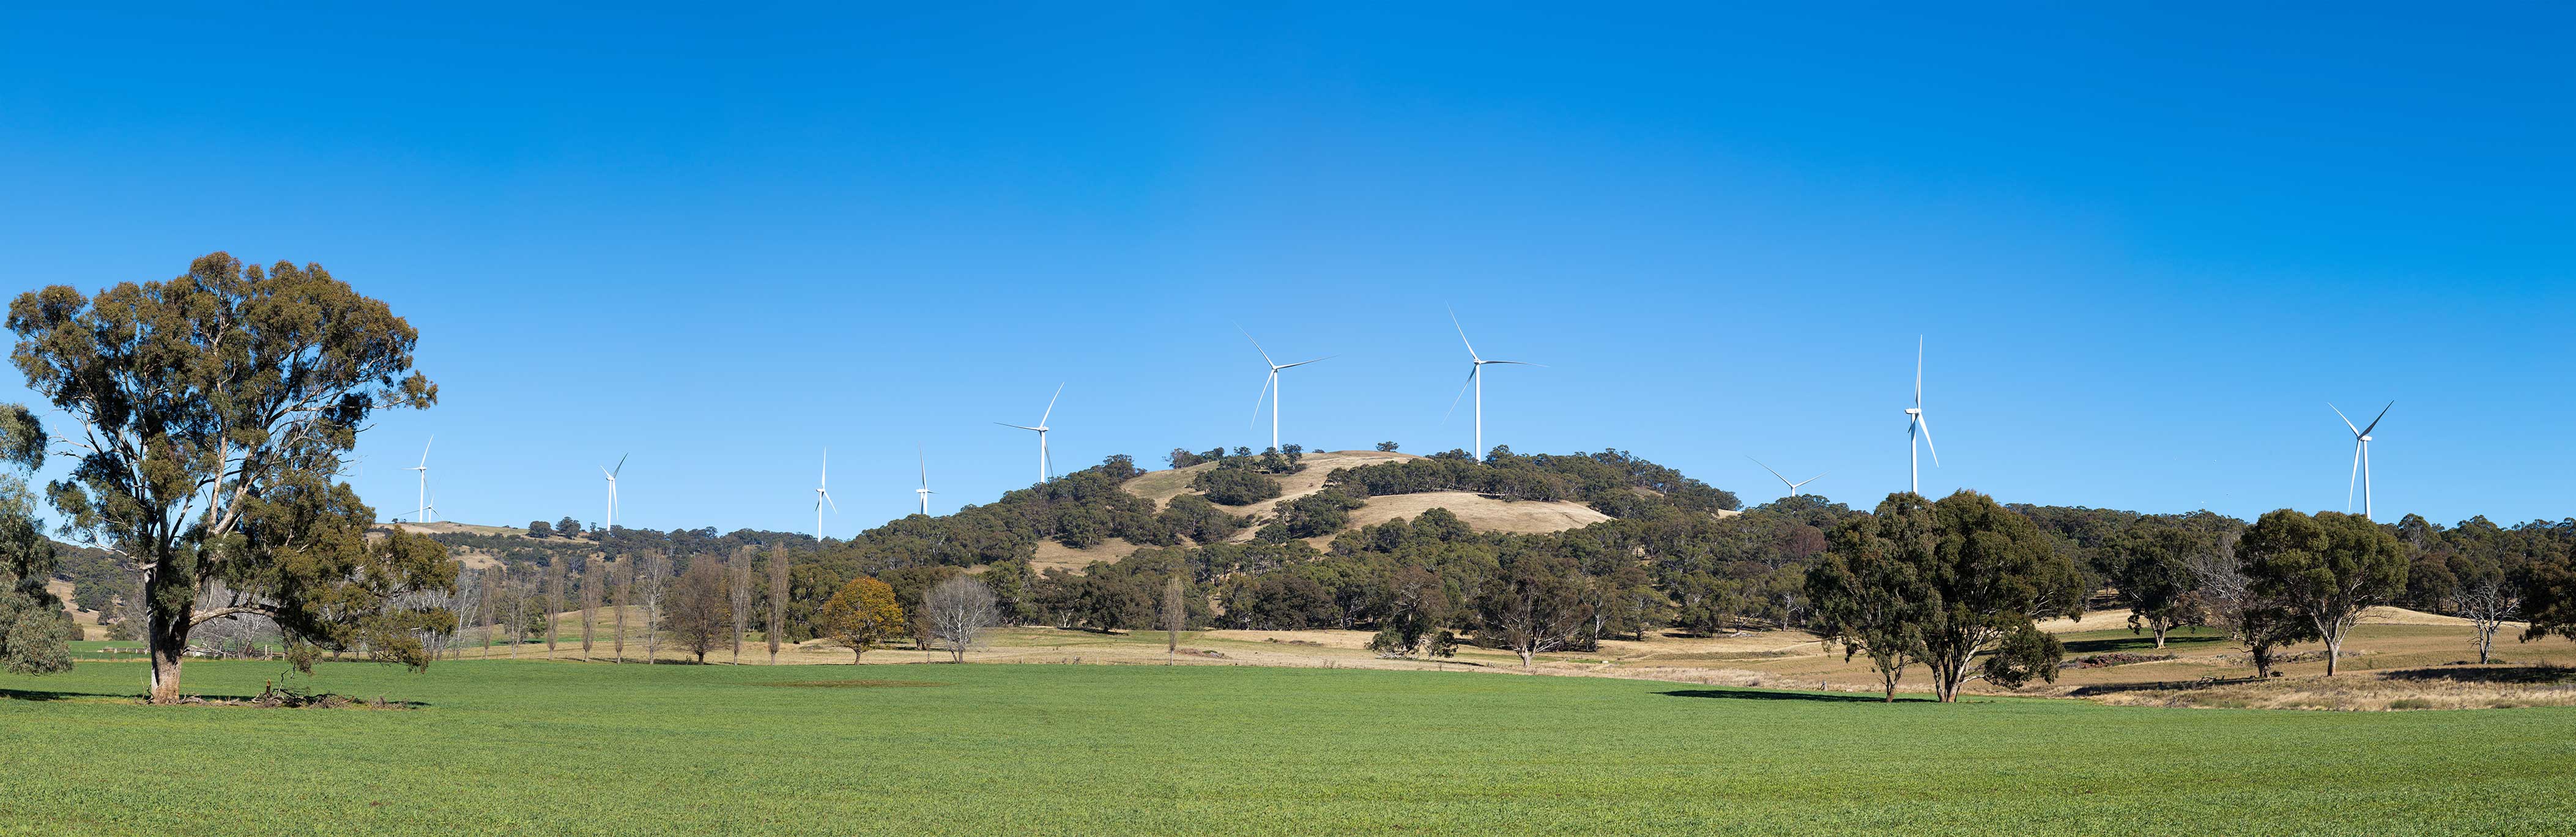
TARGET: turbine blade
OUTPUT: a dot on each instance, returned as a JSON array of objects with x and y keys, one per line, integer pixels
[
  {"x": 424, "y": 449},
  {"x": 2374, "y": 422},
  {"x": 1050, "y": 411},
  {"x": 1918, "y": 377},
  {"x": 1008, "y": 424},
  {"x": 1462, "y": 393},
  {"x": 1256, "y": 345},
  {"x": 1266, "y": 381},
  {"x": 1774, "y": 474},
  {"x": 621, "y": 465},
  {"x": 924, "y": 456},
  {"x": 2355, "y": 479},
  {"x": 827, "y": 498},
  {"x": 1813, "y": 479},
  {"x": 1519, "y": 363},
  {"x": 1462, "y": 333},
  {"x": 2347, "y": 422},
  {"x": 1921, "y": 421},
  {"x": 1304, "y": 362}
]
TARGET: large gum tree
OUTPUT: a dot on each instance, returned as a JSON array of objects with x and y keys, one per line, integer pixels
[{"x": 214, "y": 410}]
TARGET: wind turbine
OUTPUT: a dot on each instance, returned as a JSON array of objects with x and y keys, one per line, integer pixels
[
  {"x": 924, "y": 491},
  {"x": 423, "y": 507},
  {"x": 431, "y": 505},
  {"x": 1046, "y": 469},
  {"x": 1476, "y": 378},
  {"x": 823, "y": 496},
  {"x": 1270, "y": 386},
  {"x": 2360, "y": 457},
  {"x": 611, "y": 474},
  {"x": 1793, "y": 486},
  {"x": 1915, "y": 425}
]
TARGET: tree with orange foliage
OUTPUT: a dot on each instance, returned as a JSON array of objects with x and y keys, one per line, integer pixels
[{"x": 862, "y": 615}]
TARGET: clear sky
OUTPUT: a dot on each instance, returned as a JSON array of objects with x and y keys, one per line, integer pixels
[{"x": 2144, "y": 247}]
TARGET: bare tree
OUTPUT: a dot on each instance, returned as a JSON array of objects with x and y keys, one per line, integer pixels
[
  {"x": 624, "y": 573},
  {"x": 739, "y": 574},
  {"x": 700, "y": 612},
  {"x": 2487, "y": 596},
  {"x": 1176, "y": 615},
  {"x": 652, "y": 579},
  {"x": 959, "y": 611},
  {"x": 554, "y": 602},
  {"x": 594, "y": 576},
  {"x": 777, "y": 600}
]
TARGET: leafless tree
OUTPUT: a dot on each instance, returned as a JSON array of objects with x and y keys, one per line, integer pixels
[
  {"x": 958, "y": 612},
  {"x": 652, "y": 586},
  {"x": 2487, "y": 598},
  {"x": 738, "y": 572},
  {"x": 554, "y": 602},
  {"x": 1176, "y": 615},
  {"x": 777, "y": 600},
  {"x": 594, "y": 577},
  {"x": 624, "y": 573}
]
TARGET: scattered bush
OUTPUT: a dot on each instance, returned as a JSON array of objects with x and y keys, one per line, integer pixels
[{"x": 1235, "y": 486}]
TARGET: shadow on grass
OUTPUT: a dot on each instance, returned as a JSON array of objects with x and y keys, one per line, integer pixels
[
  {"x": 2494, "y": 674},
  {"x": 1761, "y": 694},
  {"x": 2142, "y": 642}
]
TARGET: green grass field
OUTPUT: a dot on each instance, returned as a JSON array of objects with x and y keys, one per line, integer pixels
[{"x": 1150, "y": 750}]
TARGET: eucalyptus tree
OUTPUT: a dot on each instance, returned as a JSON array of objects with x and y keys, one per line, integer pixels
[
  {"x": 214, "y": 409},
  {"x": 34, "y": 634},
  {"x": 1955, "y": 585},
  {"x": 2324, "y": 570}
]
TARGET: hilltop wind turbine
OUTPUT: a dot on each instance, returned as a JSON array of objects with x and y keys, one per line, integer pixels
[
  {"x": 1270, "y": 386},
  {"x": 1793, "y": 486},
  {"x": 1476, "y": 378},
  {"x": 924, "y": 491},
  {"x": 1046, "y": 469},
  {"x": 823, "y": 496},
  {"x": 611, "y": 474},
  {"x": 1915, "y": 425},
  {"x": 423, "y": 507},
  {"x": 2360, "y": 457}
]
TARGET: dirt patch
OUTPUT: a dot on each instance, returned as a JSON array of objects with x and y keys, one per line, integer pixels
[
  {"x": 1481, "y": 513},
  {"x": 856, "y": 684},
  {"x": 1053, "y": 556}
]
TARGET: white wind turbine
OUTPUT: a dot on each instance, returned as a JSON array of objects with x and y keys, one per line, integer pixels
[
  {"x": 1793, "y": 486},
  {"x": 924, "y": 491},
  {"x": 823, "y": 496},
  {"x": 1476, "y": 378},
  {"x": 611, "y": 474},
  {"x": 2360, "y": 457},
  {"x": 1046, "y": 469},
  {"x": 1915, "y": 425},
  {"x": 422, "y": 508},
  {"x": 1270, "y": 386}
]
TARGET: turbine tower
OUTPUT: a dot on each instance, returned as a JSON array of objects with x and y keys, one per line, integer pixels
[
  {"x": 611, "y": 474},
  {"x": 422, "y": 507},
  {"x": 924, "y": 491},
  {"x": 1476, "y": 378},
  {"x": 823, "y": 496},
  {"x": 1270, "y": 386},
  {"x": 2360, "y": 457},
  {"x": 1793, "y": 486},
  {"x": 1915, "y": 425},
  {"x": 1046, "y": 469}
]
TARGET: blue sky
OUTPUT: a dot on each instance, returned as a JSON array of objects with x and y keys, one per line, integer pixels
[{"x": 2144, "y": 247}]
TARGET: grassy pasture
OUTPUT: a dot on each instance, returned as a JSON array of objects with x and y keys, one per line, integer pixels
[{"x": 1145, "y": 750}]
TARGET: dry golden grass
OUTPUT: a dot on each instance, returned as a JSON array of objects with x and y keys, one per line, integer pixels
[
  {"x": 1481, "y": 513},
  {"x": 2449, "y": 687}
]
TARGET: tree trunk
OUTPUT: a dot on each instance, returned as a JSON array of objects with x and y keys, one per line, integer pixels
[
  {"x": 2334, "y": 648},
  {"x": 168, "y": 648},
  {"x": 1526, "y": 654},
  {"x": 2159, "y": 625},
  {"x": 854, "y": 656}
]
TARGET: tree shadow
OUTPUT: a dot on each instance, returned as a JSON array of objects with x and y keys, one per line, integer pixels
[
  {"x": 2142, "y": 643},
  {"x": 1765, "y": 694},
  {"x": 2539, "y": 674}
]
